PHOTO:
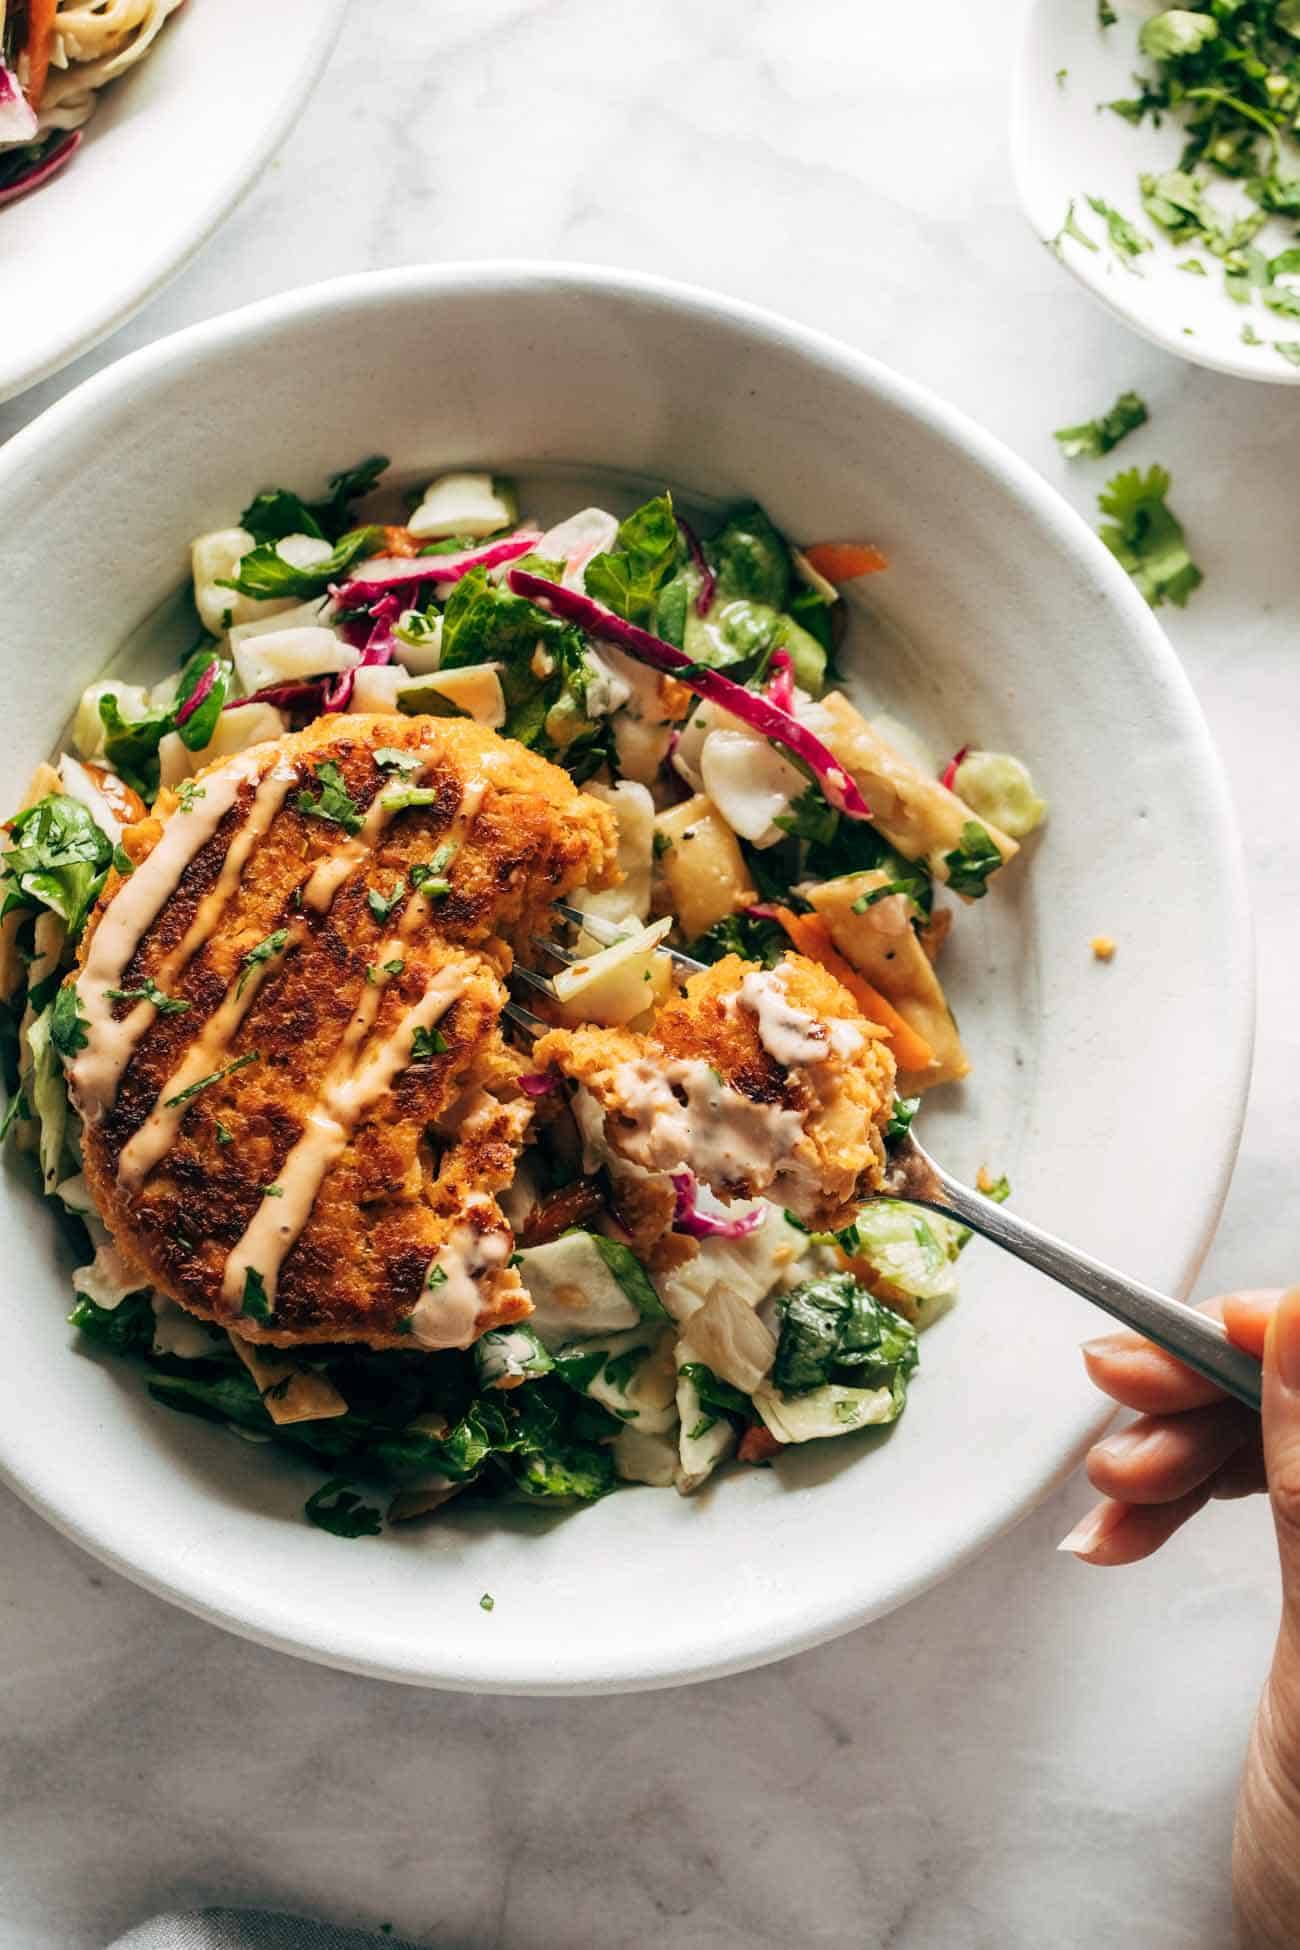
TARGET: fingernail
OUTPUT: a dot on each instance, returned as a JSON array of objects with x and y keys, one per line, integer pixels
[
  {"x": 1092, "y": 1529},
  {"x": 1124, "y": 1444},
  {"x": 1109, "y": 1344},
  {"x": 1284, "y": 1338}
]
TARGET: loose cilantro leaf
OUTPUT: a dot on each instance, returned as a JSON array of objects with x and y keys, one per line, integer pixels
[
  {"x": 1093, "y": 438},
  {"x": 256, "y": 1301},
  {"x": 337, "y": 1508},
  {"x": 265, "y": 573},
  {"x": 1106, "y": 15},
  {"x": 58, "y": 859},
  {"x": 750, "y": 936},
  {"x": 389, "y": 758},
  {"x": 1072, "y": 228},
  {"x": 1179, "y": 31},
  {"x": 205, "y": 1083},
  {"x": 264, "y": 951},
  {"x": 1145, "y": 537},
  {"x": 382, "y": 905},
  {"x": 811, "y": 817},
  {"x": 127, "y": 1328},
  {"x": 67, "y": 1024},
  {"x": 970, "y": 864},
  {"x": 426, "y": 1043},
  {"x": 576, "y": 1472},
  {"x": 333, "y": 802},
  {"x": 833, "y": 1330},
  {"x": 148, "y": 991},
  {"x": 628, "y": 579},
  {"x": 1126, "y": 241}
]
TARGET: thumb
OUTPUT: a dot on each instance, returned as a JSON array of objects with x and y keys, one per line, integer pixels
[{"x": 1281, "y": 1416}]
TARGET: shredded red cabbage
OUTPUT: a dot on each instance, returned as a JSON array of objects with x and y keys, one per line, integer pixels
[
  {"x": 306, "y": 695},
  {"x": 759, "y": 713},
  {"x": 43, "y": 167},
  {"x": 949, "y": 772},
  {"x": 702, "y": 1225},
  {"x": 405, "y": 572},
  {"x": 539, "y": 1083},
  {"x": 197, "y": 695},
  {"x": 780, "y": 683},
  {"x": 708, "y": 580}
]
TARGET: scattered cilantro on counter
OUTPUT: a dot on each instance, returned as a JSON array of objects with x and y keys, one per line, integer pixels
[
  {"x": 1093, "y": 438},
  {"x": 1146, "y": 538}
]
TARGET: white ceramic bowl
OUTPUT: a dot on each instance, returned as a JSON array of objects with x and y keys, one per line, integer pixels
[
  {"x": 1064, "y": 148},
  {"x": 1111, "y": 1095},
  {"x": 168, "y": 152}
]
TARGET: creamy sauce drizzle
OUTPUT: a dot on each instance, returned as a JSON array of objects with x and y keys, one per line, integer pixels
[
  {"x": 791, "y": 1036},
  {"x": 446, "y": 1313},
  {"x": 97, "y": 1070},
  {"x": 350, "y": 1092},
  {"x": 723, "y": 1136}
]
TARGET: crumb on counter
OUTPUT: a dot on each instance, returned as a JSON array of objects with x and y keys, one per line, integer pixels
[
  {"x": 487, "y": 1602},
  {"x": 1103, "y": 947}
]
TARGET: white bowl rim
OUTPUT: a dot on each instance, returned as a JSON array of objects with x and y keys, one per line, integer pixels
[
  {"x": 748, "y": 1644},
  {"x": 204, "y": 219}
]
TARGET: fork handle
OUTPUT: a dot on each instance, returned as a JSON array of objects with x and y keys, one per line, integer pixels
[{"x": 1194, "y": 1338}]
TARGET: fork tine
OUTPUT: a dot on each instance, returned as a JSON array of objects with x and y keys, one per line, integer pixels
[
  {"x": 609, "y": 932},
  {"x": 531, "y": 979},
  {"x": 524, "y": 1019}
]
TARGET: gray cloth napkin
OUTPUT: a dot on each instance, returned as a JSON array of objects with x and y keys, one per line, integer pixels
[{"x": 248, "y": 1929}]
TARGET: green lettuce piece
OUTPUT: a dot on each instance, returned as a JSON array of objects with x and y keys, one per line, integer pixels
[
  {"x": 834, "y": 1331},
  {"x": 59, "y": 859},
  {"x": 484, "y": 623},
  {"x": 749, "y": 936},
  {"x": 125, "y": 1329},
  {"x": 628, "y": 579},
  {"x": 338, "y": 1508},
  {"x": 631, "y": 1276},
  {"x": 750, "y": 559},
  {"x": 912, "y": 1250},
  {"x": 44, "y": 1088},
  {"x": 506, "y": 1355},
  {"x": 265, "y": 573},
  {"x": 278, "y": 512}
]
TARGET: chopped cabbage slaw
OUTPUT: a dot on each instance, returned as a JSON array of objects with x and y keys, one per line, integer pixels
[{"x": 690, "y": 681}]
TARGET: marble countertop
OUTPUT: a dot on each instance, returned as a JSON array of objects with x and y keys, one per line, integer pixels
[{"x": 1034, "y": 1753}]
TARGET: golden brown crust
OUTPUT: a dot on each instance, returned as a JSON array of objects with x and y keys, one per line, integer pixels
[
  {"x": 843, "y": 1102},
  {"x": 446, "y": 1137}
]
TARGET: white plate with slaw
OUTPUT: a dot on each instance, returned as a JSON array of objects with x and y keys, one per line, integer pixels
[
  {"x": 164, "y": 159},
  {"x": 1000, "y": 614}
]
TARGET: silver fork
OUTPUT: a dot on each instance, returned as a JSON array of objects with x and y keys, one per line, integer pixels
[{"x": 915, "y": 1178}]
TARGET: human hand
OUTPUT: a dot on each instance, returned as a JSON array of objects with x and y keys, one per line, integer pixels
[{"x": 1191, "y": 1443}]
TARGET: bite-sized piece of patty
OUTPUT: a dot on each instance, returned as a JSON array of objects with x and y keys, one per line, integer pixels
[
  {"x": 758, "y": 1081},
  {"x": 298, "y": 1105}
]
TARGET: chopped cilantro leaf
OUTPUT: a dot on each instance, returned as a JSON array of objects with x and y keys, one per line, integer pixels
[
  {"x": 333, "y": 801},
  {"x": 1093, "y": 438},
  {"x": 149, "y": 991},
  {"x": 265, "y": 951},
  {"x": 390, "y": 759},
  {"x": 399, "y": 797},
  {"x": 900, "y": 1122},
  {"x": 256, "y": 1303},
  {"x": 67, "y": 1024},
  {"x": 1145, "y": 537},
  {"x": 187, "y": 792},
  {"x": 382, "y": 905},
  {"x": 487, "y": 1602},
  {"x": 1126, "y": 241},
  {"x": 426, "y": 1043},
  {"x": 223, "y": 1135},
  {"x": 970, "y": 864},
  {"x": 205, "y": 1083}
]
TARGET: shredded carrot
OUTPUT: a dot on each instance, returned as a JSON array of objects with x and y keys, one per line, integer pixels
[
  {"x": 40, "y": 39},
  {"x": 844, "y": 561},
  {"x": 758, "y": 1444},
  {"x": 811, "y": 935},
  {"x": 400, "y": 541}
]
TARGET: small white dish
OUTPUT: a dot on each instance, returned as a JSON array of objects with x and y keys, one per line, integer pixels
[
  {"x": 168, "y": 152},
  {"x": 1111, "y": 1095},
  {"x": 1066, "y": 148}
]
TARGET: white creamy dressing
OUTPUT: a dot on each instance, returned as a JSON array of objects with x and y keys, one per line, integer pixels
[
  {"x": 97, "y": 1069},
  {"x": 350, "y": 1092},
  {"x": 723, "y": 1136},
  {"x": 791, "y": 1036},
  {"x": 446, "y": 1313}
]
